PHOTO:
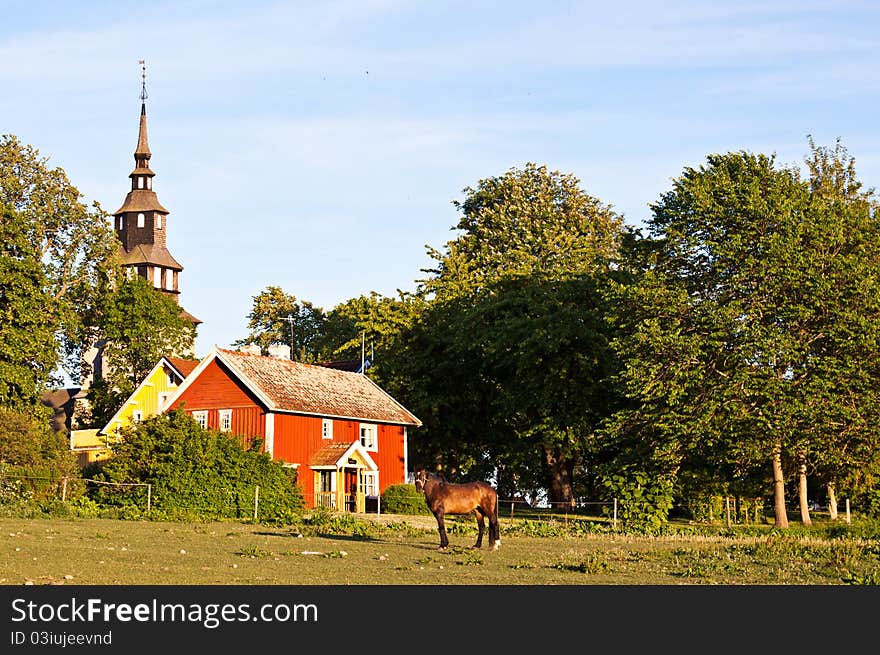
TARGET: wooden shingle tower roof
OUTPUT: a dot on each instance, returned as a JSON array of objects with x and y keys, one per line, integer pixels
[{"x": 141, "y": 223}]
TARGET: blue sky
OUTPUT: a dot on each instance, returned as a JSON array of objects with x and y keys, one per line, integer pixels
[{"x": 318, "y": 146}]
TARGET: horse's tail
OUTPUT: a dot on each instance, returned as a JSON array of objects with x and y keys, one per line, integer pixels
[{"x": 495, "y": 521}]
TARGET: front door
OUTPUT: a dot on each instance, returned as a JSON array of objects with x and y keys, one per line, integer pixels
[{"x": 351, "y": 489}]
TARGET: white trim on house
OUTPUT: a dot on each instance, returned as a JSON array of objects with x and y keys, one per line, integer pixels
[
  {"x": 405, "y": 453},
  {"x": 221, "y": 415},
  {"x": 374, "y": 476},
  {"x": 373, "y": 430},
  {"x": 354, "y": 447},
  {"x": 269, "y": 431},
  {"x": 199, "y": 416}
]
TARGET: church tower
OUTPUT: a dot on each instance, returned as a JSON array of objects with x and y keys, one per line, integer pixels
[{"x": 141, "y": 223}]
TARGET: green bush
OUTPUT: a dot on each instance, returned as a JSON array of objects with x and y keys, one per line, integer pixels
[
  {"x": 205, "y": 473},
  {"x": 33, "y": 459},
  {"x": 644, "y": 500},
  {"x": 404, "y": 499}
]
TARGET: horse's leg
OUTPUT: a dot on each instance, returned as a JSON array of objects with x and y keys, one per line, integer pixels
[
  {"x": 481, "y": 525},
  {"x": 441, "y": 528},
  {"x": 494, "y": 533}
]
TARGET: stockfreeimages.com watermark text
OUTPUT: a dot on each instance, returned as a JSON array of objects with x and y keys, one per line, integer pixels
[{"x": 209, "y": 615}]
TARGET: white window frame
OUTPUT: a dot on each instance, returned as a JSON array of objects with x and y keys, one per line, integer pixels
[
  {"x": 120, "y": 222},
  {"x": 161, "y": 399},
  {"x": 141, "y": 220},
  {"x": 369, "y": 483},
  {"x": 327, "y": 428},
  {"x": 140, "y": 182},
  {"x": 137, "y": 415},
  {"x": 369, "y": 433},
  {"x": 157, "y": 277},
  {"x": 225, "y": 417},
  {"x": 201, "y": 417},
  {"x": 158, "y": 221}
]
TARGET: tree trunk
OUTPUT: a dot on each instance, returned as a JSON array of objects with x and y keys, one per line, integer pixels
[
  {"x": 802, "y": 492},
  {"x": 779, "y": 490},
  {"x": 832, "y": 501},
  {"x": 559, "y": 488}
]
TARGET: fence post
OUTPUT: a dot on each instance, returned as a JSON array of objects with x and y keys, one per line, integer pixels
[
  {"x": 727, "y": 510},
  {"x": 378, "y": 504},
  {"x": 63, "y": 488},
  {"x": 614, "y": 524},
  {"x": 511, "y": 509},
  {"x": 149, "y": 496},
  {"x": 256, "y": 500},
  {"x": 847, "y": 511}
]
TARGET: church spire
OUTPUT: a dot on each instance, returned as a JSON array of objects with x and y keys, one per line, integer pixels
[{"x": 142, "y": 152}]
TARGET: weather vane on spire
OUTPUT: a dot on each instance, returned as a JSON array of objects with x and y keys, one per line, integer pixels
[{"x": 143, "y": 79}]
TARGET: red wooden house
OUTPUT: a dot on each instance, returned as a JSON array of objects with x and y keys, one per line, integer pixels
[{"x": 345, "y": 435}]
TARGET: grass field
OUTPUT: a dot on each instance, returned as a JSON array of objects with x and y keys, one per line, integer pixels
[{"x": 403, "y": 550}]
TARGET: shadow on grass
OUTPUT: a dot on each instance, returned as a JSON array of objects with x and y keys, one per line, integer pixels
[{"x": 349, "y": 537}]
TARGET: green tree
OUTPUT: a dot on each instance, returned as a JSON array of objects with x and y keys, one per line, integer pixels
[
  {"x": 752, "y": 299},
  {"x": 512, "y": 354},
  {"x": 136, "y": 326},
  {"x": 28, "y": 317},
  {"x": 372, "y": 323},
  {"x": 528, "y": 222},
  {"x": 279, "y": 318},
  {"x": 32, "y": 453},
  {"x": 843, "y": 445},
  {"x": 74, "y": 241}
]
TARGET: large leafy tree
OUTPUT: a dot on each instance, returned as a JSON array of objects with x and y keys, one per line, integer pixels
[
  {"x": 73, "y": 241},
  {"x": 278, "y": 317},
  {"x": 370, "y": 326},
  {"x": 739, "y": 336},
  {"x": 843, "y": 445},
  {"x": 28, "y": 317},
  {"x": 511, "y": 355},
  {"x": 136, "y": 326}
]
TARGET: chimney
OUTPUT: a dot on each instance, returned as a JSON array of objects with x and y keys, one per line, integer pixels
[
  {"x": 251, "y": 349},
  {"x": 279, "y": 350}
]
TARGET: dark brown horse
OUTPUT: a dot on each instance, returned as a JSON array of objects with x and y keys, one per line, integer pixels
[{"x": 447, "y": 498}]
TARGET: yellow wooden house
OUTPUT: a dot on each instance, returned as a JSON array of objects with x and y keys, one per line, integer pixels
[{"x": 146, "y": 401}]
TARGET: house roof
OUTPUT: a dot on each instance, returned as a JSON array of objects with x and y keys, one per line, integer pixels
[
  {"x": 192, "y": 319},
  {"x": 141, "y": 200},
  {"x": 150, "y": 253},
  {"x": 334, "y": 453},
  {"x": 181, "y": 366},
  {"x": 293, "y": 387}
]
